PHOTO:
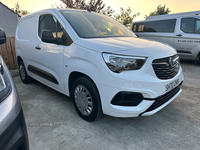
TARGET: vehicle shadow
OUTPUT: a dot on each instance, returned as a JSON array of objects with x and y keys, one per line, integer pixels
[{"x": 189, "y": 62}]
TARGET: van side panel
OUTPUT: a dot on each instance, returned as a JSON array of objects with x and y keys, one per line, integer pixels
[
  {"x": 166, "y": 38},
  {"x": 158, "y": 30},
  {"x": 185, "y": 38},
  {"x": 188, "y": 44},
  {"x": 24, "y": 36}
]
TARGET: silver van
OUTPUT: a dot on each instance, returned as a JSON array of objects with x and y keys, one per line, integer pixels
[
  {"x": 13, "y": 133},
  {"x": 181, "y": 30}
]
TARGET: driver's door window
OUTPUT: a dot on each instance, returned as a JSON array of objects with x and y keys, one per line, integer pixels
[{"x": 50, "y": 23}]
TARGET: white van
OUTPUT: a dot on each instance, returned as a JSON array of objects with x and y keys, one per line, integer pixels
[
  {"x": 181, "y": 30},
  {"x": 98, "y": 62}
]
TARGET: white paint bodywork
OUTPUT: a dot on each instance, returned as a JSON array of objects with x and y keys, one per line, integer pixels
[{"x": 85, "y": 56}]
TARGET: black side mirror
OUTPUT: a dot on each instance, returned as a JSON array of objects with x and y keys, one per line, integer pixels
[
  {"x": 137, "y": 35},
  {"x": 1, "y": 69},
  {"x": 47, "y": 37},
  {"x": 2, "y": 36}
]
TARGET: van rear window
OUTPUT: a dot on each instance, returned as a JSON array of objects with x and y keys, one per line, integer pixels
[{"x": 166, "y": 26}]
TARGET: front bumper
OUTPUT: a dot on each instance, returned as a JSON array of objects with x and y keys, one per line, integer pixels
[
  {"x": 143, "y": 81},
  {"x": 15, "y": 135}
]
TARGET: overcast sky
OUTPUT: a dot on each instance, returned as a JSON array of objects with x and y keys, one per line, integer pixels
[{"x": 142, "y": 6}]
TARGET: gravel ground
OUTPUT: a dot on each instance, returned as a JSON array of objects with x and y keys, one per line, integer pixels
[{"x": 53, "y": 123}]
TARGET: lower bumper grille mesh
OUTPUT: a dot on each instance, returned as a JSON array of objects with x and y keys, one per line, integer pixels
[{"x": 163, "y": 99}]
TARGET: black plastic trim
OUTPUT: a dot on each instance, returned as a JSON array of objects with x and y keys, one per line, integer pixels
[
  {"x": 159, "y": 101},
  {"x": 67, "y": 41},
  {"x": 15, "y": 135},
  {"x": 164, "y": 69},
  {"x": 5, "y": 92},
  {"x": 127, "y": 99},
  {"x": 153, "y": 99},
  {"x": 42, "y": 74},
  {"x": 187, "y": 52}
]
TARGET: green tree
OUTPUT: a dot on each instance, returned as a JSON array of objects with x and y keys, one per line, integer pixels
[
  {"x": 93, "y": 5},
  {"x": 125, "y": 16},
  {"x": 17, "y": 10},
  {"x": 161, "y": 10}
]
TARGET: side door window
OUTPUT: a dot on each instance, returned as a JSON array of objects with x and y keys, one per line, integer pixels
[
  {"x": 141, "y": 28},
  {"x": 188, "y": 25},
  {"x": 134, "y": 27},
  {"x": 197, "y": 26},
  {"x": 52, "y": 28}
]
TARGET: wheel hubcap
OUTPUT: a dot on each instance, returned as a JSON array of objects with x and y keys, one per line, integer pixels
[
  {"x": 22, "y": 72},
  {"x": 83, "y": 100}
]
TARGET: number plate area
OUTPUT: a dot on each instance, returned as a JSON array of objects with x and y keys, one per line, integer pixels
[{"x": 172, "y": 85}]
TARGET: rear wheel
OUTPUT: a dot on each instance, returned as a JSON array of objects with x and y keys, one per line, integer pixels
[
  {"x": 23, "y": 74},
  {"x": 86, "y": 99}
]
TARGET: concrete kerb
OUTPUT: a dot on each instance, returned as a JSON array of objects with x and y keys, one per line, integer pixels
[{"x": 14, "y": 73}]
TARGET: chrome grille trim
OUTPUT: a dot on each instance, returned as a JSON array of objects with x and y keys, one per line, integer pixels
[{"x": 166, "y": 68}]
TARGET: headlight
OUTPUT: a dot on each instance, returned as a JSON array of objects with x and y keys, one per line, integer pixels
[
  {"x": 5, "y": 86},
  {"x": 118, "y": 63}
]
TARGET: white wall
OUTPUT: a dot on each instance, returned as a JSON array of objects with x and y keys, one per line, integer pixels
[{"x": 8, "y": 21}]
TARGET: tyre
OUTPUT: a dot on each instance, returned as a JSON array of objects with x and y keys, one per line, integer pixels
[
  {"x": 86, "y": 99},
  {"x": 23, "y": 74},
  {"x": 198, "y": 59}
]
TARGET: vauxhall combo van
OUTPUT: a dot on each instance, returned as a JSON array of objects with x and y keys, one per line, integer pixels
[
  {"x": 98, "y": 62},
  {"x": 181, "y": 30}
]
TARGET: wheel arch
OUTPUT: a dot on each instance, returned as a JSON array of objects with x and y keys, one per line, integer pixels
[
  {"x": 75, "y": 75},
  {"x": 19, "y": 59}
]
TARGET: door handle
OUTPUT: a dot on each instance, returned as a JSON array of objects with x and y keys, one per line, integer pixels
[
  {"x": 37, "y": 47},
  {"x": 179, "y": 35}
]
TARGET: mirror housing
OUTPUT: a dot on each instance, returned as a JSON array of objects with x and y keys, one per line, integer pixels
[
  {"x": 47, "y": 37},
  {"x": 1, "y": 69},
  {"x": 2, "y": 36}
]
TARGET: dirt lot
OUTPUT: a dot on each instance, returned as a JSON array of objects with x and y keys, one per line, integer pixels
[{"x": 53, "y": 123}]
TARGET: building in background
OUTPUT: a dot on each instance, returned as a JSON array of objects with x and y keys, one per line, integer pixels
[{"x": 8, "y": 20}]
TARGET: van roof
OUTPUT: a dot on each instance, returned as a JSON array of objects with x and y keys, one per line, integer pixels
[
  {"x": 53, "y": 9},
  {"x": 192, "y": 13}
]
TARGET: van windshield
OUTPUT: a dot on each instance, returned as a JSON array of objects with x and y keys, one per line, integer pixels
[{"x": 95, "y": 25}]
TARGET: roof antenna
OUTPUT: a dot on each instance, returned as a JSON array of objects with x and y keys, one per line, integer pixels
[{"x": 87, "y": 8}]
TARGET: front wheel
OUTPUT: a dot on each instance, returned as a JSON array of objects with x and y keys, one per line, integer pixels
[
  {"x": 23, "y": 74},
  {"x": 86, "y": 99},
  {"x": 198, "y": 59}
]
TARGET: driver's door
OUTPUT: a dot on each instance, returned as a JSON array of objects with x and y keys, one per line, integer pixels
[{"x": 47, "y": 58}]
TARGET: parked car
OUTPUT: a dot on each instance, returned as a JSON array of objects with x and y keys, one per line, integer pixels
[
  {"x": 181, "y": 30},
  {"x": 98, "y": 62},
  {"x": 13, "y": 133}
]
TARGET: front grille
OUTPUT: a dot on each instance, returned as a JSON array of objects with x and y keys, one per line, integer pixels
[
  {"x": 166, "y": 68},
  {"x": 163, "y": 99}
]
